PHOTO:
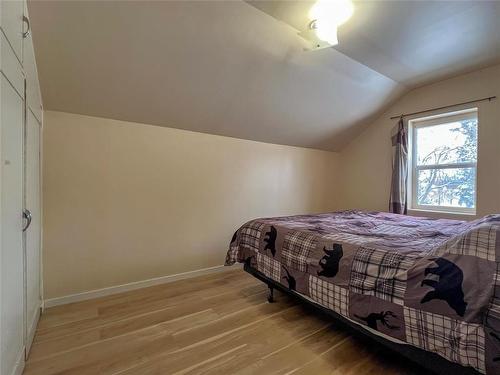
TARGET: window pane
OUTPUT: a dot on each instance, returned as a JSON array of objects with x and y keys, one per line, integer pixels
[
  {"x": 454, "y": 142},
  {"x": 454, "y": 187}
]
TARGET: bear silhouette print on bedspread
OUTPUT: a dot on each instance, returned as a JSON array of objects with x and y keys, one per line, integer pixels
[
  {"x": 330, "y": 262},
  {"x": 448, "y": 286}
]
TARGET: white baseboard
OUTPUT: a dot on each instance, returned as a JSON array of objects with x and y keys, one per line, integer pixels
[
  {"x": 19, "y": 366},
  {"x": 134, "y": 285},
  {"x": 31, "y": 331}
]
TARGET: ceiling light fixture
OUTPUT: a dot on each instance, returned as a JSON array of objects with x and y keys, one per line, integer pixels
[{"x": 327, "y": 15}]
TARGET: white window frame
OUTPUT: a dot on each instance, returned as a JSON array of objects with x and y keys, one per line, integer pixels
[{"x": 417, "y": 123}]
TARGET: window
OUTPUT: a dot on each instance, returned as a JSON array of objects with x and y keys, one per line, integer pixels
[{"x": 443, "y": 160}]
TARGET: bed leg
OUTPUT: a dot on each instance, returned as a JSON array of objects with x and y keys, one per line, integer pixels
[{"x": 270, "y": 296}]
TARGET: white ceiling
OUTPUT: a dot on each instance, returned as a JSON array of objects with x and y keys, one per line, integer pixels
[
  {"x": 229, "y": 68},
  {"x": 412, "y": 42}
]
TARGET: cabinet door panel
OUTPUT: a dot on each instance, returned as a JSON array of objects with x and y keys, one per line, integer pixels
[
  {"x": 33, "y": 97},
  {"x": 32, "y": 239},
  {"x": 32, "y": 86},
  {"x": 10, "y": 66},
  {"x": 12, "y": 256},
  {"x": 12, "y": 24}
]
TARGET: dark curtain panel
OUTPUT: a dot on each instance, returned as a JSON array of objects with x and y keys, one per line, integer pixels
[{"x": 398, "y": 202}]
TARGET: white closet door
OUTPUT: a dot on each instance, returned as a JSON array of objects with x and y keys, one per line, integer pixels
[
  {"x": 12, "y": 257},
  {"x": 32, "y": 244},
  {"x": 11, "y": 21}
]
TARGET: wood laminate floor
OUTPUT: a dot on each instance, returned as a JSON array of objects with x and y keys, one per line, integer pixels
[{"x": 214, "y": 324}]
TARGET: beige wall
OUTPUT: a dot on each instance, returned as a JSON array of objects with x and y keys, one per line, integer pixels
[
  {"x": 366, "y": 161},
  {"x": 125, "y": 202}
]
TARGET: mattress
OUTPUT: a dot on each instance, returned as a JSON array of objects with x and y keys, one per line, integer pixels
[{"x": 430, "y": 283}]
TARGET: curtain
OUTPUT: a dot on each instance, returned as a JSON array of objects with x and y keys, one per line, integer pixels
[{"x": 398, "y": 201}]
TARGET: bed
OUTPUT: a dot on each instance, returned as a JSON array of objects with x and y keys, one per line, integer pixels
[{"x": 429, "y": 288}]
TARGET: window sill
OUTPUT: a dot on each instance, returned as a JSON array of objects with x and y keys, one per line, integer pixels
[{"x": 442, "y": 214}]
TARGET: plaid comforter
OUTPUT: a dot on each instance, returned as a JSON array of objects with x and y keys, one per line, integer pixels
[{"x": 431, "y": 283}]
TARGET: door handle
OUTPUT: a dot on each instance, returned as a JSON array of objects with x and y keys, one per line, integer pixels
[
  {"x": 28, "y": 217},
  {"x": 27, "y": 32}
]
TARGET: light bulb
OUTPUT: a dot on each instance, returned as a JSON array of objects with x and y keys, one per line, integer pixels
[
  {"x": 326, "y": 32},
  {"x": 327, "y": 15}
]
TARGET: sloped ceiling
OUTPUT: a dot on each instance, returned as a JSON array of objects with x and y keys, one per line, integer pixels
[
  {"x": 239, "y": 69},
  {"x": 412, "y": 42}
]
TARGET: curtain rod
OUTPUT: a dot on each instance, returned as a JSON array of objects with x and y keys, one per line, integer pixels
[{"x": 489, "y": 98}]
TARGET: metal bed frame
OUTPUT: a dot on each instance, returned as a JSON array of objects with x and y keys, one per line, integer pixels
[{"x": 427, "y": 360}]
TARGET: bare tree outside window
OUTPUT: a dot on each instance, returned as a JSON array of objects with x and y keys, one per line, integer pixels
[{"x": 444, "y": 168}]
